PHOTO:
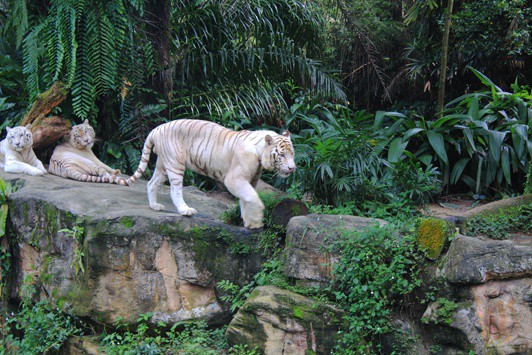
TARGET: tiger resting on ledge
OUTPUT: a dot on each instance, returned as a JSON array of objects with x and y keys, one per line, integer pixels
[
  {"x": 16, "y": 152},
  {"x": 74, "y": 159},
  {"x": 234, "y": 158}
]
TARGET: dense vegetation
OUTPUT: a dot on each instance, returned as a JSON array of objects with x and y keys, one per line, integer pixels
[{"x": 356, "y": 82}]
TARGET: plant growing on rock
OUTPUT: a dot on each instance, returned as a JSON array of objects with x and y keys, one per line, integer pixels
[
  {"x": 36, "y": 328},
  {"x": 376, "y": 267},
  {"x": 500, "y": 223}
]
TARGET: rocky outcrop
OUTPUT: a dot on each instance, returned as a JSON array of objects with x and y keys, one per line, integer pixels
[
  {"x": 307, "y": 258},
  {"x": 100, "y": 249},
  {"x": 493, "y": 282},
  {"x": 277, "y": 321}
]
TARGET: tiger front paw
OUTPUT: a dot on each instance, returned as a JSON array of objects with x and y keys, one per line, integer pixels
[
  {"x": 253, "y": 225},
  {"x": 157, "y": 207},
  {"x": 187, "y": 211},
  {"x": 36, "y": 172}
]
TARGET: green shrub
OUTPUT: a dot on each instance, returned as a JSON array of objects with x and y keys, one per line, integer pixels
[
  {"x": 482, "y": 140},
  {"x": 37, "y": 328},
  {"x": 376, "y": 267},
  {"x": 498, "y": 224},
  {"x": 181, "y": 338},
  {"x": 340, "y": 161}
]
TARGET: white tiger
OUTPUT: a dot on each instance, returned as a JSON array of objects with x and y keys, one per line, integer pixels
[
  {"x": 75, "y": 160},
  {"x": 16, "y": 152},
  {"x": 234, "y": 158}
]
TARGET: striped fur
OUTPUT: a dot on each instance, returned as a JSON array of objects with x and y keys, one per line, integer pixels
[
  {"x": 16, "y": 152},
  {"x": 74, "y": 159},
  {"x": 234, "y": 158}
]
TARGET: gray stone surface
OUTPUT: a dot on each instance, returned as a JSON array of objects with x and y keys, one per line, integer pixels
[
  {"x": 128, "y": 259},
  {"x": 472, "y": 260},
  {"x": 278, "y": 321},
  {"x": 307, "y": 238}
]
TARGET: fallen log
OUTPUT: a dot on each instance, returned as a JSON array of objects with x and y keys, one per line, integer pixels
[{"x": 45, "y": 103}]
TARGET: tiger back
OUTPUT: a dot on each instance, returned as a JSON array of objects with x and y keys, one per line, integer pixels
[{"x": 74, "y": 159}]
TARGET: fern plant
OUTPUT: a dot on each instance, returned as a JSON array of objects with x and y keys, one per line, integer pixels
[{"x": 91, "y": 46}]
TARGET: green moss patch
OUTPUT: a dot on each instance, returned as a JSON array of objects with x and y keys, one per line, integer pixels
[{"x": 431, "y": 236}]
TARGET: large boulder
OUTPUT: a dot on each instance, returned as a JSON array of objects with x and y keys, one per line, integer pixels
[
  {"x": 473, "y": 260},
  {"x": 306, "y": 256},
  {"x": 277, "y": 321},
  {"x": 103, "y": 251},
  {"x": 494, "y": 288}
]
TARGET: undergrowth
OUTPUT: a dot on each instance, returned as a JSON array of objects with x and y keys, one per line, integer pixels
[
  {"x": 375, "y": 269},
  {"x": 499, "y": 224}
]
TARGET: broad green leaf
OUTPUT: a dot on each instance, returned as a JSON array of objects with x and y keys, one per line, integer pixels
[
  {"x": 484, "y": 79},
  {"x": 458, "y": 169},
  {"x": 396, "y": 150},
  {"x": 438, "y": 144},
  {"x": 495, "y": 140},
  {"x": 505, "y": 162},
  {"x": 479, "y": 175},
  {"x": 411, "y": 132},
  {"x": 473, "y": 108},
  {"x": 3, "y": 219},
  {"x": 519, "y": 138}
]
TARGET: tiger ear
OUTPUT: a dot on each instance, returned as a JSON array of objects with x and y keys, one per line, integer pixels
[
  {"x": 86, "y": 121},
  {"x": 8, "y": 129},
  {"x": 268, "y": 139},
  {"x": 28, "y": 127},
  {"x": 286, "y": 134}
]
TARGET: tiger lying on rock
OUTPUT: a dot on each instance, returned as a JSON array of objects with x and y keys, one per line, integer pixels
[
  {"x": 16, "y": 153},
  {"x": 74, "y": 159},
  {"x": 234, "y": 158}
]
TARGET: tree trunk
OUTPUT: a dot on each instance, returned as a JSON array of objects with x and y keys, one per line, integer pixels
[
  {"x": 158, "y": 28},
  {"x": 45, "y": 103},
  {"x": 445, "y": 49}
]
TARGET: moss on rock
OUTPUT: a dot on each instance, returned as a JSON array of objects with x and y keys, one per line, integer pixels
[{"x": 432, "y": 234}]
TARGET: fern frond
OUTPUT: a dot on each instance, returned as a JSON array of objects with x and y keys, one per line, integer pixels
[
  {"x": 102, "y": 55},
  {"x": 83, "y": 90},
  {"x": 19, "y": 20},
  {"x": 31, "y": 60}
]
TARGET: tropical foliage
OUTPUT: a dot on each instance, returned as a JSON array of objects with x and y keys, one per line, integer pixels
[{"x": 482, "y": 139}]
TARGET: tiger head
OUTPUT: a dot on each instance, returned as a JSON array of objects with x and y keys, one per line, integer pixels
[
  {"x": 19, "y": 138},
  {"x": 82, "y": 135},
  {"x": 278, "y": 156}
]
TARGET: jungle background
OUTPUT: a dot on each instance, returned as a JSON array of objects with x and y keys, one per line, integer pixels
[{"x": 380, "y": 126}]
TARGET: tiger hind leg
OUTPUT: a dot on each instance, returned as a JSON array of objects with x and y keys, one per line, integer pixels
[
  {"x": 176, "y": 192},
  {"x": 159, "y": 178}
]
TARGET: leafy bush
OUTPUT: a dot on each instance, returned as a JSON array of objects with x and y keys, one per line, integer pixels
[
  {"x": 499, "y": 224},
  {"x": 482, "y": 140},
  {"x": 340, "y": 162},
  {"x": 37, "y": 328},
  {"x": 375, "y": 268},
  {"x": 186, "y": 338}
]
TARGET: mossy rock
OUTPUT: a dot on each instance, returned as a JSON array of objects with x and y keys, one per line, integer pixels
[{"x": 432, "y": 234}]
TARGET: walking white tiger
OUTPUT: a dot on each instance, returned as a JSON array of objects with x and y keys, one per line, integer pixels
[
  {"x": 234, "y": 158},
  {"x": 74, "y": 159},
  {"x": 16, "y": 152}
]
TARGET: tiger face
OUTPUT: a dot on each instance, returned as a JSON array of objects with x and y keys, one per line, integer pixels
[
  {"x": 279, "y": 155},
  {"x": 19, "y": 138},
  {"x": 82, "y": 135}
]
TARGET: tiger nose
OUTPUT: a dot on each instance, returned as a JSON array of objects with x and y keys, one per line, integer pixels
[{"x": 291, "y": 169}]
